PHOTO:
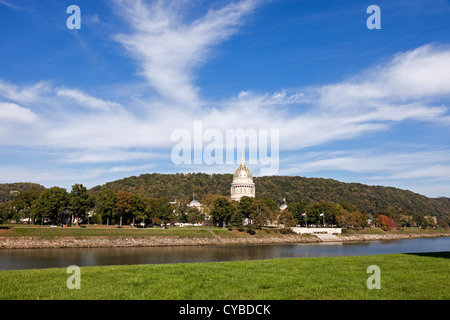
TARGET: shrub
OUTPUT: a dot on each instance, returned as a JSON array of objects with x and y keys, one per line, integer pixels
[
  {"x": 286, "y": 231},
  {"x": 251, "y": 229}
]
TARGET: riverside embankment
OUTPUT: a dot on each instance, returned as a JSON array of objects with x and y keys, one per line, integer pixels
[
  {"x": 221, "y": 237},
  {"x": 150, "y": 241}
]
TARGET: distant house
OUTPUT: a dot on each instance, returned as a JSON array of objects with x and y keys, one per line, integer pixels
[{"x": 194, "y": 203}]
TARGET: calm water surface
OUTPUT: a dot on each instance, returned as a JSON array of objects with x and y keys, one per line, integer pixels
[{"x": 12, "y": 259}]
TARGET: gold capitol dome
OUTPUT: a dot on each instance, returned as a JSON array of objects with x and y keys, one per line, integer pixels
[
  {"x": 242, "y": 184},
  {"x": 242, "y": 171}
]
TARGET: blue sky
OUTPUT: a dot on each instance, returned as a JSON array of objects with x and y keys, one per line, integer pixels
[{"x": 103, "y": 102}]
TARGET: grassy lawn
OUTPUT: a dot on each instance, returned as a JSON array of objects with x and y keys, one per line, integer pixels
[
  {"x": 76, "y": 231},
  {"x": 396, "y": 231},
  {"x": 264, "y": 232},
  {"x": 403, "y": 277},
  {"x": 128, "y": 231}
]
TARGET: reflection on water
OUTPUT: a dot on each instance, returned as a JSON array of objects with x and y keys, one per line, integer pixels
[{"x": 11, "y": 259}]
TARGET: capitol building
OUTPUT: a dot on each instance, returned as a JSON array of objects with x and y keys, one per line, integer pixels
[{"x": 242, "y": 184}]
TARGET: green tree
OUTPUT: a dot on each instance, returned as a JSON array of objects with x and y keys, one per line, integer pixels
[
  {"x": 419, "y": 218},
  {"x": 80, "y": 201},
  {"x": 236, "y": 219},
  {"x": 297, "y": 209},
  {"x": 106, "y": 204},
  {"x": 245, "y": 206},
  {"x": 261, "y": 213},
  {"x": 330, "y": 209},
  {"x": 160, "y": 210},
  {"x": 6, "y": 212},
  {"x": 430, "y": 222},
  {"x": 208, "y": 201},
  {"x": 194, "y": 215},
  {"x": 222, "y": 211},
  {"x": 396, "y": 214},
  {"x": 139, "y": 208},
  {"x": 348, "y": 206},
  {"x": 52, "y": 202},
  {"x": 25, "y": 203},
  {"x": 270, "y": 202}
]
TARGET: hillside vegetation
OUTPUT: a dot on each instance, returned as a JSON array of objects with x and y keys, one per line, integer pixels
[
  {"x": 9, "y": 191},
  {"x": 293, "y": 188},
  {"x": 179, "y": 186}
]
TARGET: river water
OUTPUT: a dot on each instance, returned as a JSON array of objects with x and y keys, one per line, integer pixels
[{"x": 14, "y": 259}]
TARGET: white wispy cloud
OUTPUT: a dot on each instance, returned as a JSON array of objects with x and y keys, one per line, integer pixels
[
  {"x": 98, "y": 155},
  {"x": 302, "y": 117},
  {"x": 410, "y": 76},
  {"x": 11, "y": 112},
  {"x": 85, "y": 100},
  {"x": 10, "y": 5},
  {"x": 366, "y": 160},
  {"x": 168, "y": 48},
  {"x": 26, "y": 94},
  {"x": 408, "y": 87}
]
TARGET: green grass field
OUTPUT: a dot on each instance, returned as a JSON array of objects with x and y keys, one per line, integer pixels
[
  {"x": 403, "y": 277},
  {"x": 92, "y": 231},
  {"x": 127, "y": 231}
]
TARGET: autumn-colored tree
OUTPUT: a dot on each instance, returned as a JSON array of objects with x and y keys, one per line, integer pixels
[
  {"x": 442, "y": 224},
  {"x": 385, "y": 223},
  {"x": 208, "y": 201},
  {"x": 123, "y": 204},
  {"x": 351, "y": 219},
  {"x": 286, "y": 218}
]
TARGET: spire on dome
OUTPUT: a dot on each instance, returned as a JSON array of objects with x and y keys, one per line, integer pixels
[{"x": 242, "y": 160}]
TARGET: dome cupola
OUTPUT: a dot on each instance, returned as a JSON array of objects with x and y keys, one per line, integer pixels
[{"x": 242, "y": 183}]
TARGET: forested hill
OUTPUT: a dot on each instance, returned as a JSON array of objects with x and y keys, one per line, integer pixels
[
  {"x": 9, "y": 191},
  {"x": 293, "y": 188}
]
